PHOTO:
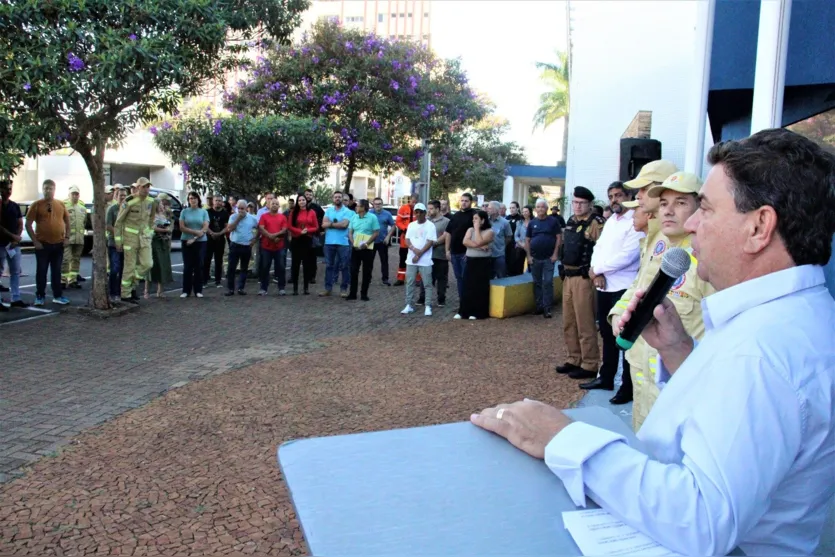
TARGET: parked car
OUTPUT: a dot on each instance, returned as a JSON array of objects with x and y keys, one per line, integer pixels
[{"x": 176, "y": 209}]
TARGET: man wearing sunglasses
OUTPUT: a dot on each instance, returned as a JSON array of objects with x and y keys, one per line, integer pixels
[{"x": 50, "y": 232}]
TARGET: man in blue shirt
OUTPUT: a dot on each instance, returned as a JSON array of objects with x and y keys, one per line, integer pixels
[
  {"x": 502, "y": 234},
  {"x": 243, "y": 234},
  {"x": 542, "y": 244},
  {"x": 383, "y": 241},
  {"x": 337, "y": 248}
]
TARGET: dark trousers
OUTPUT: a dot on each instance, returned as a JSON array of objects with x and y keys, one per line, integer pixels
[
  {"x": 361, "y": 258},
  {"x": 382, "y": 248},
  {"x": 50, "y": 257},
  {"x": 214, "y": 249},
  {"x": 114, "y": 278},
  {"x": 303, "y": 255},
  {"x": 440, "y": 280},
  {"x": 402, "y": 254},
  {"x": 238, "y": 253},
  {"x": 605, "y": 302},
  {"x": 193, "y": 267},
  {"x": 275, "y": 259}
]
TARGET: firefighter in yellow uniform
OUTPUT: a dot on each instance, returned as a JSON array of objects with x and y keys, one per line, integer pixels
[
  {"x": 653, "y": 173},
  {"x": 134, "y": 230},
  {"x": 75, "y": 245}
]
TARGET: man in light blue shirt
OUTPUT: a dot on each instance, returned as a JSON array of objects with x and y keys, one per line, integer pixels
[
  {"x": 740, "y": 446},
  {"x": 337, "y": 249},
  {"x": 502, "y": 236},
  {"x": 242, "y": 229},
  {"x": 829, "y": 271},
  {"x": 383, "y": 241}
]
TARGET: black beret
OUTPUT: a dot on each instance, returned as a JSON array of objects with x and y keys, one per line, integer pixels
[{"x": 583, "y": 193}]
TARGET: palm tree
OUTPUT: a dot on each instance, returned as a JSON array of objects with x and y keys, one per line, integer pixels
[{"x": 554, "y": 104}]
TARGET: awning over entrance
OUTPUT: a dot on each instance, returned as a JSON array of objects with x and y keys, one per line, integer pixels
[{"x": 521, "y": 177}]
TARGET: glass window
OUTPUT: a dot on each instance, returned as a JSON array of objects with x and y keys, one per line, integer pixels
[
  {"x": 380, "y": 18},
  {"x": 410, "y": 14},
  {"x": 402, "y": 15},
  {"x": 425, "y": 14},
  {"x": 393, "y": 15}
]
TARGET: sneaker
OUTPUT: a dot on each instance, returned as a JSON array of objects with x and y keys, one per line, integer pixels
[
  {"x": 39, "y": 302},
  {"x": 184, "y": 295},
  {"x": 61, "y": 301},
  {"x": 262, "y": 292},
  {"x": 457, "y": 316},
  {"x": 199, "y": 294},
  {"x": 472, "y": 318},
  {"x": 427, "y": 312},
  {"x": 81, "y": 279},
  {"x": 344, "y": 294},
  {"x": 282, "y": 292},
  {"x": 129, "y": 301},
  {"x": 407, "y": 310},
  {"x": 441, "y": 303},
  {"x": 386, "y": 282},
  {"x": 19, "y": 304},
  {"x": 241, "y": 292},
  {"x": 365, "y": 299},
  {"x": 218, "y": 285},
  {"x": 324, "y": 292},
  {"x": 349, "y": 298},
  {"x": 230, "y": 293}
]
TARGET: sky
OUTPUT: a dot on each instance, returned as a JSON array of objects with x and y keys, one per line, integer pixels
[{"x": 499, "y": 41}]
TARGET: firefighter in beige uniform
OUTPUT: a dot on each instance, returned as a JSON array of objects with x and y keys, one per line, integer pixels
[
  {"x": 653, "y": 173},
  {"x": 75, "y": 245},
  {"x": 134, "y": 229},
  {"x": 677, "y": 202}
]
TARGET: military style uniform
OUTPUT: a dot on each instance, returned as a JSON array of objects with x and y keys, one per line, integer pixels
[
  {"x": 134, "y": 230},
  {"x": 75, "y": 245},
  {"x": 578, "y": 292}
]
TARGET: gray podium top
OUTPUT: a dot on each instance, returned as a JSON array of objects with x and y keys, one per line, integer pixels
[{"x": 451, "y": 489}]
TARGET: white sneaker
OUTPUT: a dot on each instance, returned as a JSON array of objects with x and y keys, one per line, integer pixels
[
  {"x": 457, "y": 316},
  {"x": 472, "y": 318},
  {"x": 407, "y": 310},
  {"x": 282, "y": 293},
  {"x": 262, "y": 292},
  {"x": 199, "y": 294},
  {"x": 183, "y": 295},
  {"x": 427, "y": 312}
]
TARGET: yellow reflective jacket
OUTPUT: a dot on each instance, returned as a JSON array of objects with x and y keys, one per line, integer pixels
[
  {"x": 78, "y": 216},
  {"x": 135, "y": 221}
]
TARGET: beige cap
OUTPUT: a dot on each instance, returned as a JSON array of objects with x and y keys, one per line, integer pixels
[
  {"x": 74, "y": 189},
  {"x": 684, "y": 182},
  {"x": 108, "y": 189},
  {"x": 163, "y": 197},
  {"x": 655, "y": 171},
  {"x": 143, "y": 181},
  {"x": 630, "y": 204}
]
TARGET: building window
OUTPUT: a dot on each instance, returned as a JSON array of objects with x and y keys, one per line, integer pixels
[
  {"x": 402, "y": 15},
  {"x": 330, "y": 18},
  {"x": 426, "y": 37},
  {"x": 394, "y": 16},
  {"x": 425, "y": 14},
  {"x": 410, "y": 14},
  {"x": 380, "y": 18},
  {"x": 355, "y": 19}
]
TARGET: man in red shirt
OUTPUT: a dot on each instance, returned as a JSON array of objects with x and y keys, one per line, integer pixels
[{"x": 273, "y": 228}]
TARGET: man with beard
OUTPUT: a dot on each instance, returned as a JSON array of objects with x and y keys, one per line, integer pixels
[{"x": 614, "y": 265}]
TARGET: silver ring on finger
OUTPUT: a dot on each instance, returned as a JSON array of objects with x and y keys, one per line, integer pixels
[{"x": 500, "y": 413}]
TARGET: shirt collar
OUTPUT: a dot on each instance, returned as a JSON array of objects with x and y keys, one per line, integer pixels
[
  {"x": 719, "y": 308},
  {"x": 623, "y": 215}
]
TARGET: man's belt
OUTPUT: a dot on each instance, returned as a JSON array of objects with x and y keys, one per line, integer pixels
[{"x": 577, "y": 271}]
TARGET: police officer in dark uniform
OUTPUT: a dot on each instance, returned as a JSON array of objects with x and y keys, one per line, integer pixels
[{"x": 578, "y": 293}]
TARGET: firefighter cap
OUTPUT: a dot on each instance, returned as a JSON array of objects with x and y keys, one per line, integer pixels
[
  {"x": 655, "y": 171},
  {"x": 683, "y": 182},
  {"x": 74, "y": 189}
]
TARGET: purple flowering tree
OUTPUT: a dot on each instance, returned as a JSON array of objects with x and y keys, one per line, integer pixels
[
  {"x": 243, "y": 155},
  {"x": 373, "y": 98},
  {"x": 84, "y": 74}
]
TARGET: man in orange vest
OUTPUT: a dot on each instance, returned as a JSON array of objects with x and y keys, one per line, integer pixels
[{"x": 405, "y": 215}]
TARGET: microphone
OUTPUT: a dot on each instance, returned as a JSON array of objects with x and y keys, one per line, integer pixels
[{"x": 675, "y": 263}]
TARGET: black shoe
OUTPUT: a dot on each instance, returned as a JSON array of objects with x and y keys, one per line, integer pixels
[
  {"x": 582, "y": 374},
  {"x": 539, "y": 311},
  {"x": 441, "y": 303},
  {"x": 347, "y": 298},
  {"x": 81, "y": 279},
  {"x": 312, "y": 281},
  {"x": 568, "y": 368},
  {"x": 365, "y": 299},
  {"x": 230, "y": 293},
  {"x": 621, "y": 398},
  {"x": 134, "y": 296},
  {"x": 597, "y": 384},
  {"x": 547, "y": 315},
  {"x": 4, "y": 288},
  {"x": 241, "y": 292},
  {"x": 130, "y": 301},
  {"x": 19, "y": 304},
  {"x": 295, "y": 292},
  {"x": 398, "y": 283},
  {"x": 385, "y": 281}
]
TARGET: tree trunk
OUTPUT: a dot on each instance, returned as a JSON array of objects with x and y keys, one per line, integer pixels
[
  {"x": 349, "y": 174},
  {"x": 99, "y": 295},
  {"x": 565, "y": 139}
]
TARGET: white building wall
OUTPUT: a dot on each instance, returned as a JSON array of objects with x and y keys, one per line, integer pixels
[{"x": 627, "y": 56}]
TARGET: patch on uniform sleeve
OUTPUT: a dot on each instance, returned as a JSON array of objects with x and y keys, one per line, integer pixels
[
  {"x": 660, "y": 247},
  {"x": 679, "y": 282}
]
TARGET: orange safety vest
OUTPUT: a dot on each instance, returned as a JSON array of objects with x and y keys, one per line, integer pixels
[{"x": 405, "y": 215}]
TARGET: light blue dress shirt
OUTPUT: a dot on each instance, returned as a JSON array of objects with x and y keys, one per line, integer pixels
[
  {"x": 337, "y": 236},
  {"x": 742, "y": 437},
  {"x": 829, "y": 271},
  {"x": 501, "y": 231},
  {"x": 245, "y": 230}
]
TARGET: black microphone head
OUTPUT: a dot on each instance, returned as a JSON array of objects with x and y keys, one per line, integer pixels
[{"x": 675, "y": 263}]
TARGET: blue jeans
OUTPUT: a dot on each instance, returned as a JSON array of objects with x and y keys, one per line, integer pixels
[
  {"x": 242, "y": 253},
  {"x": 542, "y": 271},
  {"x": 12, "y": 255},
  {"x": 114, "y": 278},
  {"x": 337, "y": 258},
  {"x": 276, "y": 259},
  {"x": 459, "y": 263},
  {"x": 499, "y": 267},
  {"x": 49, "y": 258}
]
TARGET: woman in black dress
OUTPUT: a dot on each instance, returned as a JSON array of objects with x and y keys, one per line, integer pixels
[{"x": 475, "y": 301}]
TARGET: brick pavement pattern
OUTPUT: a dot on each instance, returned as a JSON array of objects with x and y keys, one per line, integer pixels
[{"x": 194, "y": 471}]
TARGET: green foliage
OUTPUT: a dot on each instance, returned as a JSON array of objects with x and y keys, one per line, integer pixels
[
  {"x": 474, "y": 160},
  {"x": 553, "y": 104},
  {"x": 243, "y": 155},
  {"x": 374, "y": 98},
  {"x": 322, "y": 194}
]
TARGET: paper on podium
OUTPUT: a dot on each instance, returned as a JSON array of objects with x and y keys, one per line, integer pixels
[
  {"x": 450, "y": 489},
  {"x": 596, "y": 532}
]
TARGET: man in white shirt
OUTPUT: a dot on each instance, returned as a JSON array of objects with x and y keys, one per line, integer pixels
[
  {"x": 614, "y": 265},
  {"x": 741, "y": 442},
  {"x": 420, "y": 239}
]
